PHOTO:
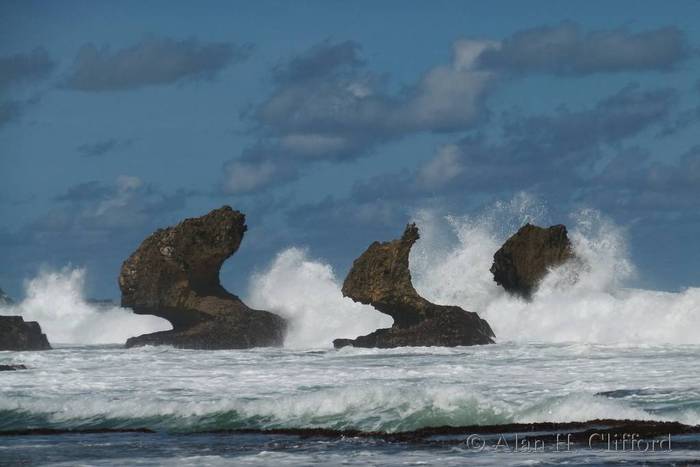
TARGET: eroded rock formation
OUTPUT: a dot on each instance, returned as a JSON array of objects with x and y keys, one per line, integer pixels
[
  {"x": 524, "y": 259},
  {"x": 174, "y": 274},
  {"x": 380, "y": 277},
  {"x": 17, "y": 334}
]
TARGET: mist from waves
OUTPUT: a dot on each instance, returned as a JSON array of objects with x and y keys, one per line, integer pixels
[
  {"x": 586, "y": 300},
  {"x": 56, "y": 299},
  {"x": 307, "y": 293}
]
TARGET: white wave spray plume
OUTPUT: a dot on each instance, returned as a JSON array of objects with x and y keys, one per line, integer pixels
[
  {"x": 581, "y": 301},
  {"x": 307, "y": 294},
  {"x": 56, "y": 300}
]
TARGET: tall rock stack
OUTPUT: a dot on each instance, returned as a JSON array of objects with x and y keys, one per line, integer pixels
[
  {"x": 174, "y": 274},
  {"x": 381, "y": 277}
]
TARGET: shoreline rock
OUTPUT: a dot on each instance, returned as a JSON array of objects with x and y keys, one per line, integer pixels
[
  {"x": 12, "y": 367},
  {"x": 526, "y": 257},
  {"x": 19, "y": 335},
  {"x": 174, "y": 274},
  {"x": 381, "y": 277}
]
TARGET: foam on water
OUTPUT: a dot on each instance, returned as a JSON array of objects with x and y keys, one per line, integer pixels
[
  {"x": 56, "y": 300},
  {"x": 368, "y": 389}
]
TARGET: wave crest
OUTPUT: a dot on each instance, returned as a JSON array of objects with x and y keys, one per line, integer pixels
[{"x": 57, "y": 301}]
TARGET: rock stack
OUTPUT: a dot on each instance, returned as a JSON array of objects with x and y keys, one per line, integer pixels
[
  {"x": 174, "y": 274},
  {"x": 526, "y": 257},
  {"x": 380, "y": 277}
]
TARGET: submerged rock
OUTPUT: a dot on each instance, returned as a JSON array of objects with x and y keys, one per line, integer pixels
[
  {"x": 12, "y": 367},
  {"x": 16, "y": 334},
  {"x": 380, "y": 277},
  {"x": 174, "y": 274},
  {"x": 526, "y": 257}
]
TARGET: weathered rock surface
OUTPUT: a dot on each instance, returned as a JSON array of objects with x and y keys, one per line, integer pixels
[
  {"x": 380, "y": 277},
  {"x": 174, "y": 274},
  {"x": 524, "y": 259},
  {"x": 16, "y": 334}
]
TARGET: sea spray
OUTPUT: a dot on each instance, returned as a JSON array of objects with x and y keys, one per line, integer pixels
[
  {"x": 585, "y": 300},
  {"x": 307, "y": 293},
  {"x": 56, "y": 300}
]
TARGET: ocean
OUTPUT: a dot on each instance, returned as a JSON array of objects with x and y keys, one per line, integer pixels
[
  {"x": 588, "y": 350},
  {"x": 191, "y": 400}
]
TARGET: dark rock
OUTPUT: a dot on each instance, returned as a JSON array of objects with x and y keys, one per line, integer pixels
[
  {"x": 16, "y": 334},
  {"x": 380, "y": 277},
  {"x": 12, "y": 367},
  {"x": 174, "y": 274},
  {"x": 526, "y": 257}
]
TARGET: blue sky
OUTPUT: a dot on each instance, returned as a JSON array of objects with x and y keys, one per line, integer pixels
[{"x": 330, "y": 123}]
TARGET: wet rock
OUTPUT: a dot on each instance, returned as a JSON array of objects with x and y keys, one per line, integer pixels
[
  {"x": 12, "y": 367},
  {"x": 526, "y": 257},
  {"x": 174, "y": 274},
  {"x": 16, "y": 334},
  {"x": 380, "y": 277}
]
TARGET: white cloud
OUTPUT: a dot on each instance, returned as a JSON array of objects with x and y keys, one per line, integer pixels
[
  {"x": 243, "y": 177},
  {"x": 445, "y": 166}
]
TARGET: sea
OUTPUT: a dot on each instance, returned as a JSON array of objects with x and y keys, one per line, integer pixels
[{"x": 589, "y": 351}]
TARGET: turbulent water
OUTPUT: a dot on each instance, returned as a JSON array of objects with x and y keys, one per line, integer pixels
[
  {"x": 184, "y": 391},
  {"x": 367, "y": 389},
  {"x": 586, "y": 347}
]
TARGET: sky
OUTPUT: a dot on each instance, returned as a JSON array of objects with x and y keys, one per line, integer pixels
[{"x": 332, "y": 123}]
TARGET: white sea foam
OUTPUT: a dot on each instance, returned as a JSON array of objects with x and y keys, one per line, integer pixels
[
  {"x": 357, "y": 388},
  {"x": 584, "y": 301},
  {"x": 307, "y": 293},
  {"x": 56, "y": 300}
]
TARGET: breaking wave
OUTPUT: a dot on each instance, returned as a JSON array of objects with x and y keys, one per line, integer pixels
[
  {"x": 364, "y": 408},
  {"x": 588, "y": 300},
  {"x": 56, "y": 300},
  {"x": 307, "y": 293},
  {"x": 582, "y": 301}
]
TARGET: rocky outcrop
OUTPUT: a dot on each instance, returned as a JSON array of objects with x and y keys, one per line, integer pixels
[
  {"x": 174, "y": 274},
  {"x": 16, "y": 334},
  {"x": 380, "y": 277},
  {"x": 524, "y": 259}
]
